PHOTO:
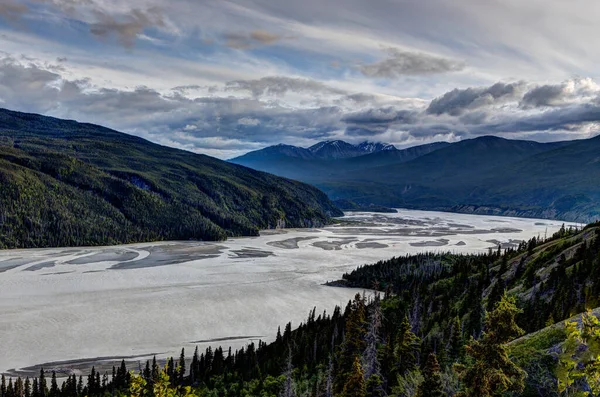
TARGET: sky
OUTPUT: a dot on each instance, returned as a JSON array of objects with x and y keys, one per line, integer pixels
[{"x": 226, "y": 77}]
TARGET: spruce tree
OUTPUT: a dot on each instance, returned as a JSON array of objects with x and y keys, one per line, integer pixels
[
  {"x": 432, "y": 385},
  {"x": 491, "y": 372},
  {"x": 354, "y": 343},
  {"x": 194, "y": 365},
  {"x": 27, "y": 387},
  {"x": 495, "y": 294},
  {"x": 42, "y": 387},
  {"x": 355, "y": 384},
  {"x": 35, "y": 391},
  {"x": 407, "y": 349},
  {"x": 53, "y": 386},
  {"x": 455, "y": 344},
  {"x": 181, "y": 367}
]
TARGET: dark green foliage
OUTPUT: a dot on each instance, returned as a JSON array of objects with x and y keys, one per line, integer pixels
[
  {"x": 432, "y": 379},
  {"x": 455, "y": 342},
  {"x": 407, "y": 349},
  {"x": 354, "y": 340},
  {"x": 355, "y": 383},
  {"x": 490, "y": 371},
  {"x": 65, "y": 183}
]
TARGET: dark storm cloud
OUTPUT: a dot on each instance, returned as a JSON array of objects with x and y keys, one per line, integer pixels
[
  {"x": 402, "y": 63},
  {"x": 385, "y": 115},
  {"x": 280, "y": 85},
  {"x": 545, "y": 95},
  {"x": 457, "y": 101},
  {"x": 376, "y": 121}
]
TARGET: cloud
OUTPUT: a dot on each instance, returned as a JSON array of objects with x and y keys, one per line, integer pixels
[
  {"x": 126, "y": 28},
  {"x": 380, "y": 116},
  {"x": 264, "y": 37},
  {"x": 255, "y": 38},
  {"x": 281, "y": 85},
  {"x": 27, "y": 86},
  {"x": 11, "y": 10},
  {"x": 559, "y": 94},
  {"x": 457, "y": 101},
  {"x": 102, "y": 20},
  {"x": 248, "y": 121},
  {"x": 406, "y": 63},
  {"x": 376, "y": 121},
  {"x": 225, "y": 125}
]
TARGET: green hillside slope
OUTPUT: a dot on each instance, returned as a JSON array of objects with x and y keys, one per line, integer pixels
[{"x": 65, "y": 183}]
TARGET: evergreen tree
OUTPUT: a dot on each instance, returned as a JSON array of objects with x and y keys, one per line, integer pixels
[
  {"x": 42, "y": 387},
  {"x": 194, "y": 366},
  {"x": 355, "y": 383},
  {"x": 455, "y": 344},
  {"x": 491, "y": 371},
  {"x": 35, "y": 391},
  {"x": 147, "y": 374},
  {"x": 27, "y": 388},
  {"x": 53, "y": 386},
  {"x": 432, "y": 379},
  {"x": 495, "y": 294},
  {"x": 181, "y": 367},
  {"x": 155, "y": 370},
  {"x": 354, "y": 343},
  {"x": 407, "y": 349}
]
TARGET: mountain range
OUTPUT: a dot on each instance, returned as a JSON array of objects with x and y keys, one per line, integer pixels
[
  {"x": 484, "y": 175},
  {"x": 66, "y": 183},
  {"x": 328, "y": 158}
]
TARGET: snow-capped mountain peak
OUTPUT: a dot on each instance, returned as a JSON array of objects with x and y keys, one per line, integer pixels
[
  {"x": 372, "y": 147},
  {"x": 336, "y": 149}
]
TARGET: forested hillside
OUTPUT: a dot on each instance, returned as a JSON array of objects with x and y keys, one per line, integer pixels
[
  {"x": 65, "y": 183},
  {"x": 447, "y": 325}
]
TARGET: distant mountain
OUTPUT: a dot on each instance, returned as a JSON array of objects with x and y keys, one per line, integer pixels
[
  {"x": 330, "y": 150},
  {"x": 66, "y": 183},
  {"x": 328, "y": 159},
  {"x": 389, "y": 156},
  {"x": 326, "y": 150},
  {"x": 373, "y": 147},
  {"x": 486, "y": 175}
]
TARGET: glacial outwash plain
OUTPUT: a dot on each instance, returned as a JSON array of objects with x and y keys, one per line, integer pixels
[{"x": 70, "y": 308}]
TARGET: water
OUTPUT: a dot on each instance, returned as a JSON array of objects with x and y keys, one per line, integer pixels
[{"x": 135, "y": 300}]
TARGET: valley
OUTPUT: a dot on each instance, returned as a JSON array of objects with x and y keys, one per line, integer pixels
[{"x": 73, "y": 304}]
